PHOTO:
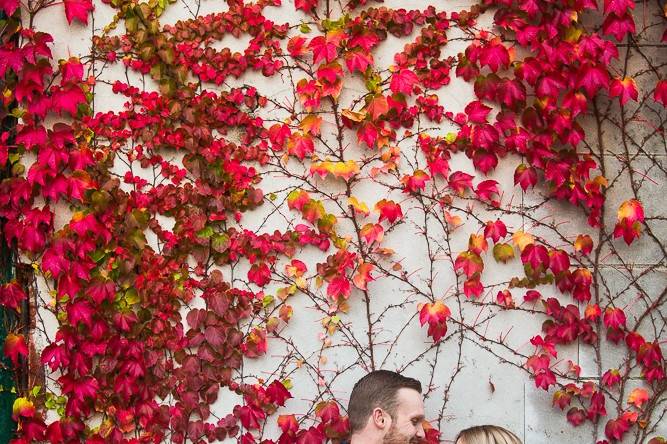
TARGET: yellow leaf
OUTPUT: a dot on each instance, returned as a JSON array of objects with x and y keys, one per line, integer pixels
[
  {"x": 354, "y": 115},
  {"x": 345, "y": 170},
  {"x": 359, "y": 207},
  {"x": 522, "y": 239}
]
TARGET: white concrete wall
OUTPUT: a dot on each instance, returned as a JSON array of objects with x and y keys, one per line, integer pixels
[{"x": 489, "y": 387}]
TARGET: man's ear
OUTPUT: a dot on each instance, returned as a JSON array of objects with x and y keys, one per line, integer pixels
[{"x": 379, "y": 418}]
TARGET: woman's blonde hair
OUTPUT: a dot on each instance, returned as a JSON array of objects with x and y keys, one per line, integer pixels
[{"x": 487, "y": 434}]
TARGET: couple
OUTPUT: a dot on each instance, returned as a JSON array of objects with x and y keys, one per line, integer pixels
[{"x": 387, "y": 408}]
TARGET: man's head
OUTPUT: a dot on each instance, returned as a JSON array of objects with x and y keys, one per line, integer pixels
[{"x": 387, "y": 407}]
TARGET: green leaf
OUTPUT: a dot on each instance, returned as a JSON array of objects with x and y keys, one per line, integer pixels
[
  {"x": 132, "y": 296},
  {"x": 503, "y": 252},
  {"x": 206, "y": 232},
  {"x": 35, "y": 390},
  {"x": 97, "y": 255}
]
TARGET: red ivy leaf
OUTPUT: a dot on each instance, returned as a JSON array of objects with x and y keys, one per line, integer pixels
[
  {"x": 15, "y": 346},
  {"x": 9, "y": 6},
  {"x": 660, "y": 93},
  {"x": 11, "y": 295},
  {"x": 403, "y": 81},
  {"x": 78, "y": 10},
  {"x": 259, "y": 274},
  {"x": 495, "y": 230},
  {"x": 389, "y": 210},
  {"x": 618, "y": 26},
  {"x": 526, "y": 176},
  {"x": 625, "y": 90},
  {"x": 469, "y": 262},
  {"x": 614, "y": 318},
  {"x": 277, "y": 393},
  {"x": 477, "y": 112},
  {"x": 494, "y": 55},
  {"x": 616, "y": 428},
  {"x": 339, "y": 286},
  {"x": 306, "y": 5},
  {"x": 358, "y": 60},
  {"x": 460, "y": 182},
  {"x": 67, "y": 98}
]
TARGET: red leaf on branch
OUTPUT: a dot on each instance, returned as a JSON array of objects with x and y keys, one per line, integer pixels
[
  {"x": 618, "y": 7},
  {"x": 477, "y": 112},
  {"x": 296, "y": 46},
  {"x": 306, "y": 5},
  {"x": 71, "y": 70},
  {"x": 473, "y": 287},
  {"x": 630, "y": 218},
  {"x": 403, "y": 81},
  {"x": 460, "y": 182},
  {"x": 576, "y": 416},
  {"x": 255, "y": 344},
  {"x": 358, "y": 61},
  {"x": 363, "y": 275},
  {"x": 660, "y": 93},
  {"x": 486, "y": 190},
  {"x": 611, "y": 378},
  {"x": 80, "y": 311},
  {"x": 494, "y": 55},
  {"x": 78, "y": 10},
  {"x": 339, "y": 286},
  {"x": 625, "y": 90},
  {"x": 288, "y": 424},
  {"x": 389, "y": 210},
  {"x": 326, "y": 47},
  {"x": 259, "y": 274},
  {"x": 378, "y": 106},
  {"x": 535, "y": 255},
  {"x": 526, "y": 176},
  {"x": 11, "y": 295},
  {"x": 592, "y": 78},
  {"x": 300, "y": 145},
  {"x": 9, "y": 6},
  {"x": 276, "y": 393},
  {"x": 469, "y": 262},
  {"x": 14, "y": 347},
  {"x": 614, "y": 318},
  {"x": 372, "y": 233},
  {"x": 415, "y": 182},
  {"x": 495, "y": 230},
  {"x": 583, "y": 244},
  {"x": 619, "y": 26},
  {"x": 559, "y": 261},
  {"x": 250, "y": 416},
  {"x": 67, "y": 98},
  {"x": 616, "y": 428}
]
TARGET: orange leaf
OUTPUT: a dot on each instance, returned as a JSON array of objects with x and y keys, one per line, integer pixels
[
  {"x": 378, "y": 106},
  {"x": 354, "y": 115},
  {"x": 638, "y": 397},
  {"x": 311, "y": 124},
  {"x": 363, "y": 276}
]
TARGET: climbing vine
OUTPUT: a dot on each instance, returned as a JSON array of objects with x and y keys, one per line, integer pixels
[{"x": 178, "y": 237}]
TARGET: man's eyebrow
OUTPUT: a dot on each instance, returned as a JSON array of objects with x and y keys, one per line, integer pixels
[{"x": 419, "y": 417}]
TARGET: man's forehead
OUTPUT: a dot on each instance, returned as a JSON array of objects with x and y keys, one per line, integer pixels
[{"x": 409, "y": 399}]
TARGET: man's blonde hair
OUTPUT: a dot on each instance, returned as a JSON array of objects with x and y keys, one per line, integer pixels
[{"x": 487, "y": 434}]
